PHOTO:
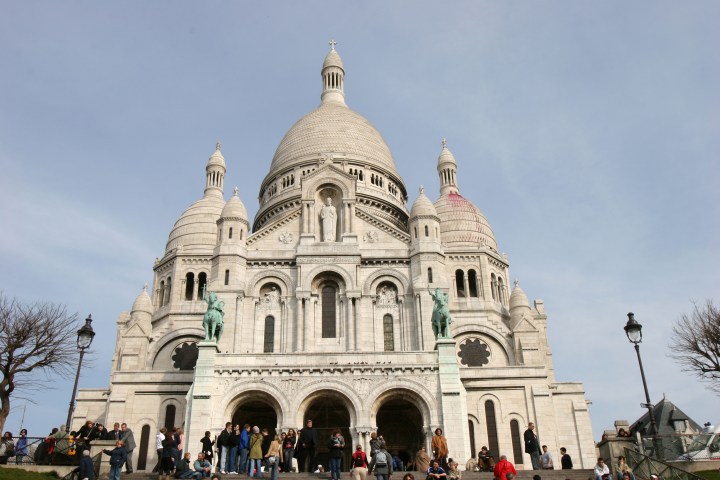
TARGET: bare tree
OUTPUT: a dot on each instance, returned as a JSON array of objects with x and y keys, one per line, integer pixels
[
  {"x": 34, "y": 339},
  {"x": 696, "y": 345}
]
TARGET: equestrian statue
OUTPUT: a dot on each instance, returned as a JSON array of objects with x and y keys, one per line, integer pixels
[
  {"x": 213, "y": 318},
  {"x": 441, "y": 318}
]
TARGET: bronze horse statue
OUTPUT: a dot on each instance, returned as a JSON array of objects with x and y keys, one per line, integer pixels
[
  {"x": 441, "y": 318},
  {"x": 213, "y": 318}
]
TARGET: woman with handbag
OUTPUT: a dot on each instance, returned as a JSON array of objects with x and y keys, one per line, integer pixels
[{"x": 274, "y": 456}]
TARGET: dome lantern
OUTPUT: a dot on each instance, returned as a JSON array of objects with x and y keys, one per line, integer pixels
[
  {"x": 215, "y": 173},
  {"x": 333, "y": 75},
  {"x": 447, "y": 170}
]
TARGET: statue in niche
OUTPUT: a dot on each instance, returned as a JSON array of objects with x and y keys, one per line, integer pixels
[
  {"x": 272, "y": 298},
  {"x": 441, "y": 318},
  {"x": 328, "y": 215},
  {"x": 213, "y": 318},
  {"x": 387, "y": 296}
]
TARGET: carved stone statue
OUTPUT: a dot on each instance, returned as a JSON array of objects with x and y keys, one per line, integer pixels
[
  {"x": 213, "y": 318},
  {"x": 387, "y": 296},
  {"x": 272, "y": 298},
  {"x": 441, "y": 318},
  {"x": 329, "y": 220}
]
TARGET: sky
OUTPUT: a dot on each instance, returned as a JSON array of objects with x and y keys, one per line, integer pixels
[{"x": 588, "y": 134}]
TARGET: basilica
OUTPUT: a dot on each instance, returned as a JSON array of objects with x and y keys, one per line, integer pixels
[{"x": 326, "y": 300}]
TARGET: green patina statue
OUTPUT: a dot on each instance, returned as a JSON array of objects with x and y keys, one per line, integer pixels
[
  {"x": 441, "y": 318},
  {"x": 213, "y": 319}
]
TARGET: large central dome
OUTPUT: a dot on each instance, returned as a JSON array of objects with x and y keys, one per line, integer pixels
[{"x": 333, "y": 128}]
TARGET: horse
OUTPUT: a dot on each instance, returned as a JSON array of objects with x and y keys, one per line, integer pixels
[{"x": 213, "y": 318}]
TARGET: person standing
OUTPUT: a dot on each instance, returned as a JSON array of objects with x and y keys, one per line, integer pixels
[
  {"x": 255, "y": 465},
  {"x": 222, "y": 442},
  {"x": 118, "y": 458},
  {"x": 233, "y": 441},
  {"x": 289, "y": 450},
  {"x": 274, "y": 456},
  {"x": 207, "y": 446},
  {"x": 532, "y": 446},
  {"x": 115, "y": 433},
  {"x": 309, "y": 440},
  {"x": 129, "y": 441},
  {"x": 565, "y": 459},
  {"x": 159, "y": 439},
  {"x": 440, "y": 448},
  {"x": 21, "y": 447},
  {"x": 546, "y": 460},
  {"x": 244, "y": 448},
  {"x": 359, "y": 464},
  {"x": 336, "y": 445},
  {"x": 86, "y": 470},
  {"x": 381, "y": 464},
  {"x": 168, "y": 455}
]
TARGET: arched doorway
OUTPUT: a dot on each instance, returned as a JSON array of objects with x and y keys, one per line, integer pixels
[
  {"x": 329, "y": 410},
  {"x": 400, "y": 423},
  {"x": 256, "y": 411}
]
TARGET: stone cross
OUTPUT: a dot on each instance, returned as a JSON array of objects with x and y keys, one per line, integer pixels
[{"x": 332, "y": 44}]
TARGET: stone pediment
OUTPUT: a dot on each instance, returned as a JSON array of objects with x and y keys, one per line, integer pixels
[
  {"x": 524, "y": 325},
  {"x": 136, "y": 330}
]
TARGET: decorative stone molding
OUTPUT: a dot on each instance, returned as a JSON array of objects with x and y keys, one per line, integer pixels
[
  {"x": 371, "y": 236},
  {"x": 286, "y": 237}
]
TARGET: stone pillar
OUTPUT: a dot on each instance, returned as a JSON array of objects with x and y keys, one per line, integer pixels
[
  {"x": 198, "y": 413},
  {"x": 453, "y": 400},
  {"x": 309, "y": 323}
]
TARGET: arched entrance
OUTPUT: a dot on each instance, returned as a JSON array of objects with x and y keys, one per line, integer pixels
[
  {"x": 400, "y": 423},
  {"x": 255, "y": 410},
  {"x": 329, "y": 410}
]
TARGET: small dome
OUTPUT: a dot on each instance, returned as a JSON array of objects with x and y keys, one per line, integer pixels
[
  {"x": 518, "y": 297},
  {"x": 216, "y": 159},
  {"x": 196, "y": 229},
  {"x": 446, "y": 155},
  {"x": 332, "y": 59},
  {"x": 462, "y": 224},
  {"x": 234, "y": 208},
  {"x": 422, "y": 206},
  {"x": 143, "y": 303}
]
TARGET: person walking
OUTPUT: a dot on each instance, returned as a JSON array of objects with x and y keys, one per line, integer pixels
[
  {"x": 381, "y": 464},
  {"x": 359, "y": 464},
  {"x": 255, "y": 465},
  {"x": 565, "y": 459}
]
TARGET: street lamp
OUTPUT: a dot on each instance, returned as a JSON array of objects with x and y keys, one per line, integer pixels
[
  {"x": 84, "y": 338},
  {"x": 633, "y": 330}
]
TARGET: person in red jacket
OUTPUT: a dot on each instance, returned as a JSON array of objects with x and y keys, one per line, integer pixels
[{"x": 503, "y": 467}]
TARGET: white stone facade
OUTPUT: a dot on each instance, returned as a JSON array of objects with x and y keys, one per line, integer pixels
[{"x": 327, "y": 311}]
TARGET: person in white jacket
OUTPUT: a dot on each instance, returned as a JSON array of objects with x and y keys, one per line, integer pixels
[{"x": 601, "y": 471}]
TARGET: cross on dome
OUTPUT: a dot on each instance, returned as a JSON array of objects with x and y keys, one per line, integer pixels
[
  {"x": 235, "y": 191},
  {"x": 145, "y": 287},
  {"x": 422, "y": 190},
  {"x": 217, "y": 146},
  {"x": 516, "y": 282},
  {"x": 332, "y": 44},
  {"x": 444, "y": 143}
]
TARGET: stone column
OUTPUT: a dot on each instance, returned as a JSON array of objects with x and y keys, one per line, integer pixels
[
  {"x": 419, "y": 321},
  {"x": 453, "y": 400},
  {"x": 198, "y": 413},
  {"x": 308, "y": 326}
]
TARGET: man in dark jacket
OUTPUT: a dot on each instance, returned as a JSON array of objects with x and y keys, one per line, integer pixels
[
  {"x": 118, "y": 457},
  {"x": 532, "y": 446},
  {"x": 309, "y": 441},
  {"x": 86, "y": 469},
  {"x": 222, "y": 442},
  {"x": 129, "y": 441}
]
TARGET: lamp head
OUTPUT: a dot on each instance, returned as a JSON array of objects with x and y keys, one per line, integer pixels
[
  {"x": 633, "y": 329},
  {"x": 85, "y": 335}
]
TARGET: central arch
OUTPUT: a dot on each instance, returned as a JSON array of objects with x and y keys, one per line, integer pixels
[
  {"x": 330, "y": 410},
  {"x": 256, "y": 409}
]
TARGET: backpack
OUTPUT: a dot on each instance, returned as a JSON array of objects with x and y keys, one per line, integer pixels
[
  {"x": 359, "y": 462},
  {"x": 380, "y": 459}
]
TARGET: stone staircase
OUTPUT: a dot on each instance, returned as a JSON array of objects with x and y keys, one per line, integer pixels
[{"x": 522, "y": 475}]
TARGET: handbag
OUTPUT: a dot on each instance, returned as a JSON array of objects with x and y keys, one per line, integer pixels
[{"x": 271, "y": 460}]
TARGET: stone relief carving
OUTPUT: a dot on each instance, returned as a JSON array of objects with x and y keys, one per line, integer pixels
[
  {"x": 362, "y": 385},
  {"x": 271, "y": 299},
  {"x": 371, "y": 236},
  {"x": 328, "y": 214},
  {"x": 285, "y": 237},
  {"x": 290, "y": 385},
  {"x": 387, "y": 297}
]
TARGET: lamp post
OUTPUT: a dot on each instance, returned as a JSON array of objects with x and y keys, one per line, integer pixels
[
  {"x": 84, "y": 338},
  {"x": 633, "y": 330}
]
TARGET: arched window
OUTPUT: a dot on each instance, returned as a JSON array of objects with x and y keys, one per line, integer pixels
[
  {"x": 227, "y": 277},
  {"x": 517, "y": 445},
  {"x": 430, "y": 279},
  {"x": 170, "y": 417},
  {"x": 269, "y": 339},
  {"x": 460, "y": 283},
  {"x": 202, "y": 282},
  {"x": 144, "y": 442},
  {"x": 472, "y": 283},
  {"x": 189, "y": 285},
  {"x": 241, "y": 234},
  {"x": 162, "y": 293},
  {"x": 501, "y": 290},
  {"x": 328, "y": 312},
  {"x": 427, "y": 231},
  {"x": 471, "y": 430},
  {"x": 167, "y": 291},
  {"x": 493, "y": 286},
  {"x": 416, "y": 234},
  {"x": 230, "y": 233},
  {"x": 388, "y": 333},
  {"x": 491, "y": 426}
]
